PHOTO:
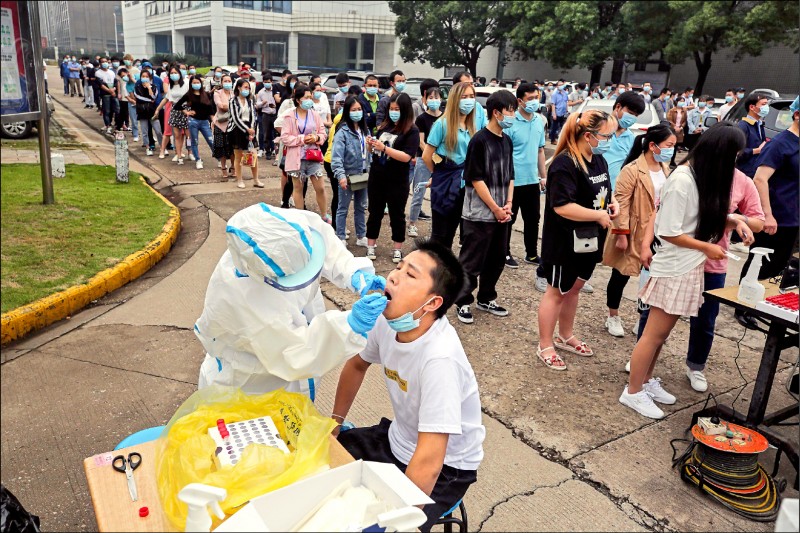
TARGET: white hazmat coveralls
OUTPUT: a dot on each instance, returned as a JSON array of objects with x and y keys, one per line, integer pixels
[{"x": 260, "y": 338}]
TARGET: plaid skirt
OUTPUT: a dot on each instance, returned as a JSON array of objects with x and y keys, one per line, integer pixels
[{"x": 680, "y": 295}]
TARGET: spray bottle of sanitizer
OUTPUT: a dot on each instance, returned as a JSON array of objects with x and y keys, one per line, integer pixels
[{"x": 750, "y": 290}]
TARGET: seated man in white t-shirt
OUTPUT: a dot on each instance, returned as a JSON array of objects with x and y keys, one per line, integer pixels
[{"x": 436, "y": 437}]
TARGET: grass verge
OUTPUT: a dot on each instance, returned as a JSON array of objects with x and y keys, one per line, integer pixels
[{"x": 94, "y": 224}]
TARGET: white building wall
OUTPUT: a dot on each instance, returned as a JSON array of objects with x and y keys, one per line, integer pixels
[{"x": 133, "y": 26}]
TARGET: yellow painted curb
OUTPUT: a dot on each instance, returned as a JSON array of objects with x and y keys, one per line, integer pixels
[{"x": 44, "y": 311}]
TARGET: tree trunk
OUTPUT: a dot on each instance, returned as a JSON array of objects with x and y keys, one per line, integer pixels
[
  {"x": 616, "y": 72},
  {"x": 471, "y": 63},
  {"x": 703, "y": 66},
  {"x": 596, "y": 71}
]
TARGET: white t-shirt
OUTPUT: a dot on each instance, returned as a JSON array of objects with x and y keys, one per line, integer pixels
[
  {"x": 724, "y": 110},
  {"x": 286, "y": 106},
  {"x": 433, "y": 390},
  {"x": 677, "y": 215},
  {"x": 107, "y": 77},
  {"x": 323, "y": 108},
  {"x": 658, "y": 179}
]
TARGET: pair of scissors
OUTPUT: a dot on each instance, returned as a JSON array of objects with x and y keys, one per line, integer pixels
[{"x": 127, "y": 466}]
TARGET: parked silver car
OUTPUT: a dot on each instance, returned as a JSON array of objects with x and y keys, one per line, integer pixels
[{"x": 20, "y": 130}]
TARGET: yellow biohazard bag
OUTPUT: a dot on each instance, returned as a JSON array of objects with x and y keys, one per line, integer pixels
[{"x": 185, "y": 452}]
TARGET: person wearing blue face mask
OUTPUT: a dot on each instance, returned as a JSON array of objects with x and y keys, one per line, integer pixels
[
  {"x": 197, "y": 106},
  {"x": 343, "y": 83},
  {"x": 559, "y": 100},
  {"x": 638, "y": 192},
  {"x": 578, "y": 210},
  {"x": 730, "y": 101},
  {"x": 321, "y": 105},
  {"x": 370, "y": 100},
  {"x": 752, "y": 125},
  {"x": 267, "y": 113},
  {"x": 432, "y": 101},
  {"x": 528, "y": 137},
  {"x": 488, "y": 197},
  {"x": 696, "y": 118},
  {"x": 627, "y": 107},
  {"x": 436, "y": 436},
  {"x": 398, "y": 82},
  {"x": 176, "y": 122}
]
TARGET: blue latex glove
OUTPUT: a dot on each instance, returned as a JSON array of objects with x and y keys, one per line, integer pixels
[
  {"x": 366, "y": 312},
  {"x": 363, "y": 282}
]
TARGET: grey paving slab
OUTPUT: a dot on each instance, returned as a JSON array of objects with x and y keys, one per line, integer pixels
[{"x": 178, "y": 299}]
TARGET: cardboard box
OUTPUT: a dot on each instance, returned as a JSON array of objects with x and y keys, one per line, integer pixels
[{"x": 281, "y": 509}]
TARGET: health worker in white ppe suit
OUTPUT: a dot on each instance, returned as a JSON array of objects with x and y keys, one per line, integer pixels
[{"x": 264, "y": 325}]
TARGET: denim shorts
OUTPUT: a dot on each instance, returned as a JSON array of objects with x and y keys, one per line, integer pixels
[{"x": 308, "y": 169}]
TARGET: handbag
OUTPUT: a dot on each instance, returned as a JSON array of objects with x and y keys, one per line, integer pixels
[
  {"x": 249, "y": 157},
  {"x": 356, "y": 182},
  {"x": 314, "y": 155},
  {"x": 584, "y": 239}
]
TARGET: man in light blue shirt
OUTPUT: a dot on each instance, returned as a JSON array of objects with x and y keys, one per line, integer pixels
[
  {"x": 627, "y": 107},
  {"x": 559, "y": 113},
  {"x": 527, "y": 135}
]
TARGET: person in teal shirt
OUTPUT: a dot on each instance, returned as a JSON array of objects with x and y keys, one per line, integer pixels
[
  {"x": 480, "y": 112},
  {"x": 528, "y": 137},
  {"x": 627, "y": 107}
]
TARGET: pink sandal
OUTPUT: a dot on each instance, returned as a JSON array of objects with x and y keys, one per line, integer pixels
[
  {"x": 551, "y": 360},
  {"x": 563, "y": 344}
]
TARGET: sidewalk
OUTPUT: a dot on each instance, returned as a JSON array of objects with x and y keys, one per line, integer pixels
[{"x": 560, "y": 454}]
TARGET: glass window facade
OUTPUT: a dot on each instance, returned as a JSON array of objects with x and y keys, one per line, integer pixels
[
  {"x": 261, "y": 5},
  {"x": 263, "y": 51},
  {"x": 325, "y": 54},
  {"x": 162, "y": 44},
  {"x": 199, "y": 46}
]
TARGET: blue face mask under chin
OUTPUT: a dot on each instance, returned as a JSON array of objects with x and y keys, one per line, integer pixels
[{"x": 407, "y": 322}]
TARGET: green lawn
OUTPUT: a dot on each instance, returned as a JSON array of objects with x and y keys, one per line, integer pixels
[{"x": 94, "y": 223}]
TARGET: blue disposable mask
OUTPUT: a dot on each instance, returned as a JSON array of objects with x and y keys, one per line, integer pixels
[
  {"x": 466, "y": 105},
  {"x": 318, "y": 95},
  {"x": 343, "y": 88},
  {"x": 192, "y": 71},
  {"x": 145, "y": 80},
  {"x": 104, "y": 65},
  {"x": 728, "y": 99},
  {"x": 227, "y": 85},
  {"x": 125, "y": 78},
  {"x": 532, "y": 106},
  {"x": 356, "y": 116},
  {"x": 739, "y": 95},
  {"x": 218, "y": 74},
  {"x": 394, "y": 115},
  {"x": 267, "y": 86},
  {"x": 407, "y": 322},
  {"x": 291, "y": 85},
  {"x": 174, "y": 77},
  {"x": 665, "y": 156},
  {"x": 115, "y": 64},
  {"x": 701, "y": 105},
  {"x": 372, "y": 91},
  {"x": 307, "y": 104},
  {"x": 400, "y": 86},
  {"x": 434, "y": 105},
  {"x": 506, "y": 122},
  {"x": 763, "y": 111},
  {"x": 197, "y": 86},
  {"x": 602, "y": 146},
  {"x": 245, "y": 92},
  {"x": 126, "y": 61},
  {"x": 183, "y": 71},
  {"x": 627, "y": 121},
  {"x": 681, "y": 104}
]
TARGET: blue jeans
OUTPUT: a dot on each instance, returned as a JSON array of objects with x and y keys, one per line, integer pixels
[
  {"x": 204, "y": 127},
  {"x": 110, "y": 108},
  {"x": 701, "y": 329},
  {"x": 421, "y": 177},
  {"x": 345, "y": 195},
  {"x": 555, "y": 128},
  {"x": 134, "y": 119}
]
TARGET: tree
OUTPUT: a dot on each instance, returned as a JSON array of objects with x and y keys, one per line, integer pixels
[
  {"x": 569, "y": 33},
  {"x": 701, "y": 29},
  {"x": 449, "y": 33}
]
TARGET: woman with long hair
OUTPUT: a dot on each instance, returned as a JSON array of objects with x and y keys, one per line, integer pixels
[
  {"x": 578, "y": 210},
  {"x": 242, "y": 130},
  {"x": 223, "y": 150},
  {"x": 638, "y": 191},
  {"x": 302, "y": 133},
  {"x": 395, "y": 145},
  {"x": 444, "y": 155},
  {"x": 176, "y": 88},
  {"x": 692, "y": 218},
  {"x": 350, "y": 158},
  {"x": 432, "y": 102},
  {"x": 197, "y": 107},
  {"x": 146, "y": 94}
]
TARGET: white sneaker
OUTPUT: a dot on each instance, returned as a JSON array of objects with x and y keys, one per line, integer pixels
[
  {"x": 642, "y": 403},
  {"x": 136, "y": 139},
  {"x": 149, "y": 152},
  {"x": 397, "y": 256},
  {"x": 412, "y": 231},
  {"x": 697, "y": 379},
  {"x": 588, "y": 289},
  {"x": 291, "y": 202},
  {"x": 191, "y": 156},
  {"x": 657, "y": 393},
  {"x": 371, "y": 253},
  {"x": 161, "y": 156},
  {"x": 175, "y": 159},
  {"x": 261, "y": 153},
  {"x": 362, "y": 241},
  {"x": 199, "y": 164},
  {"x": 541, "y": 284},
  {"x": 180, "y": 160},
  {"x": 614, "y": 326},
  {"x": 628, "y": 367},
  {"x": 635, "y": 328},
  {"x": 219, "y": 164}
]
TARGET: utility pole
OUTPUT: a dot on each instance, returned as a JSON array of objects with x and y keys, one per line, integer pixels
[
  {"x": 116, "y": 34},
  {"x": 43, "y": 123}
]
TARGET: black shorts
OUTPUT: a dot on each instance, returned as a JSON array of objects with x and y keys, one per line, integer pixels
[{"x": 563, "y": 277}]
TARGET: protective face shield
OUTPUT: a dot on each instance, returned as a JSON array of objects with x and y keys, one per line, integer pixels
[{"x": 286, "y": 255}]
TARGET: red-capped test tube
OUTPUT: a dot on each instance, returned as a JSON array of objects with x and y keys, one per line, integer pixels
[{"x": 223, "y": 429}]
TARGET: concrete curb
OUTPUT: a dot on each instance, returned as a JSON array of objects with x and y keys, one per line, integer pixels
[{"x": 43, "y": 312}]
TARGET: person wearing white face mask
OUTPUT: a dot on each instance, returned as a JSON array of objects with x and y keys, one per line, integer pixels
[
  {"x": 530, "y": 176},
  {"x": 436, "y": 437},
  {"x": 752, "y": 125}
]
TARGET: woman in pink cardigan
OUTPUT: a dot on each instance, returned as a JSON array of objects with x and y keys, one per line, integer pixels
[{"x": 302, "y": 135}]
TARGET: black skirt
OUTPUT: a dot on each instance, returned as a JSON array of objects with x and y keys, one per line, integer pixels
[
  {"x": 238, "y": 139},
  {"x": 222, "y": 146}
]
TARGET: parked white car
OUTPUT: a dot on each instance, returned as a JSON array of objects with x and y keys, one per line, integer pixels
[{"x": 646, "y": 120}]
